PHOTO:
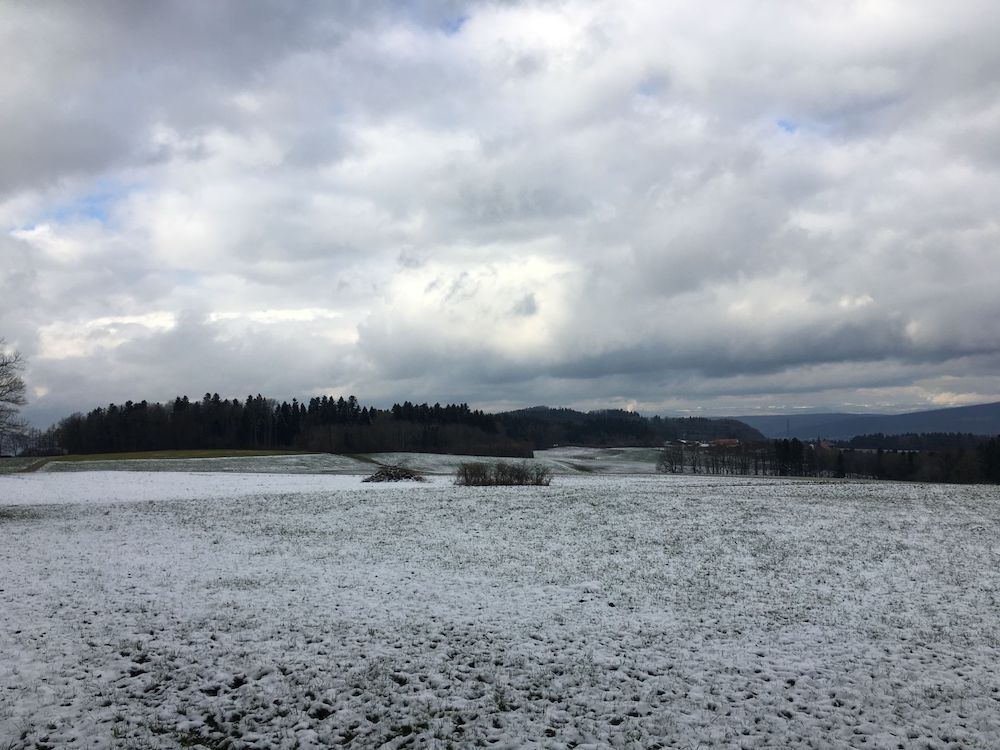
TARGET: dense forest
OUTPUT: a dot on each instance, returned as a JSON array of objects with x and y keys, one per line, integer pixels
[
  {"x": 322, "y": 424},
  {"x": 340, "y": 425},
  {"x": 911, "y": 441},
  {"x": 957, "y": 460},
  {"x": 543, "y": 427}
]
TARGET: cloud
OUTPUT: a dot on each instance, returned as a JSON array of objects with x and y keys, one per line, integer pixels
[{"x": 576, "y": 202}]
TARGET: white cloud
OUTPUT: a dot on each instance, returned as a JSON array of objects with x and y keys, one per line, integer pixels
[
  {"x": 586, "y": 202},
  {"x": 66, "y": 339}
]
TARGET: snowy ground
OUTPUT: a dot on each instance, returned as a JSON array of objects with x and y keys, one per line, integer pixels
[
  {"x": 601, "y": 460},
  {"x": 560, "y": 460},
  {"x": 159, "y": 610},
  {"x": 306, "y": 463}
]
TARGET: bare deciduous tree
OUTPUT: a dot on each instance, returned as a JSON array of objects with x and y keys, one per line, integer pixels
[
  {"x": 11, "y": 390},
  {"x": 671, "y": 460}
]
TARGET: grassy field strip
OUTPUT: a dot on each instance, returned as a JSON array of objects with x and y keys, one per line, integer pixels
[
  {"x": 285, "y": 463},
  {"x": 174, "y": 454}
]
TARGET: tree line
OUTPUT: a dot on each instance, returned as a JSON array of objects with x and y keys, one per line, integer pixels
[
  {"x": 544, "y": 427},
  {"x": 911, "y": 441},
  {"x": 960, "y": 463},
  {"x": 322, "y": 424},
  {"x": 343, "y": 425}
]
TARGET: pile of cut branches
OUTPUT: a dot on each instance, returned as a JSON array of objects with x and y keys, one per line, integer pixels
[{"x": 394, "y": 473}]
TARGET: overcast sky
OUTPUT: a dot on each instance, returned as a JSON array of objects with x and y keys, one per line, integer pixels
[{"x": 669, "y": 206}]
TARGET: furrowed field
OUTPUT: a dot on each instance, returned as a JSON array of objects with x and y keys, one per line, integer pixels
[{"x": 181, "y": 609}]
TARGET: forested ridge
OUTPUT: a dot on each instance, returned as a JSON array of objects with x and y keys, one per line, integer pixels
[
  {"x": 911, "y": 441},
  {"x": 343, "y": 425},
  {"x": 322, "y": 424},
  {"x": 544, "y": 427}
]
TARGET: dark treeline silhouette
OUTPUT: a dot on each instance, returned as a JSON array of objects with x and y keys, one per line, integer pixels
[
  {"x": 543, "y": 427},
  {"x": 963, "y": 463},
  {"x": 911, "y": 441},
  {"x": 339, "y": 425},
  {"x": 325, "y": 424}
]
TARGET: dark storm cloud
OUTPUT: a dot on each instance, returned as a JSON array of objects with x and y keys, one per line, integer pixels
[
  {"x": 578, "y": 202},
  {"x": 87, "y": 78}
]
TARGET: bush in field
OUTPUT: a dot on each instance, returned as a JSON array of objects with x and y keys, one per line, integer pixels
[
  {"x": 481, "y": 474},
  {"x": 473, "y": 474}
]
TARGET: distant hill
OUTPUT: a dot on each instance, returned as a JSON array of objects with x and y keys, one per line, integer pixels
[
  {"x": 980, "y": 419},
  {"x": 544, "y": 427}
]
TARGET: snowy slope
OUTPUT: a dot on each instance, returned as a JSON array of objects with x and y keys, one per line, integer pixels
[
  {"x": 560, "y": 460},
  {"x": 312, "y": 463},
  {"x": 168, "y": 610},
  {"x": 601, "y": 460}
]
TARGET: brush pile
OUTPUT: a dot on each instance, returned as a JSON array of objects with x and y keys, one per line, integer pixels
[{"x": 394, "y": 473}]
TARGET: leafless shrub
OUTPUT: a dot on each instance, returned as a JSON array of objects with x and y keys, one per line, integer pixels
[{"x": 481, "y": 474}]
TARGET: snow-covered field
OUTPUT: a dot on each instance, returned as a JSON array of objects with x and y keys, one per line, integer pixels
[
  {"x": 560, "y": 460},
  {"x": 308, "y": 463},
  {"x": 155, "y": 610}
]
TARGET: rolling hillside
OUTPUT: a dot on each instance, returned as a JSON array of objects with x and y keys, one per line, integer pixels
[{"x": 980, "y": 419}]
